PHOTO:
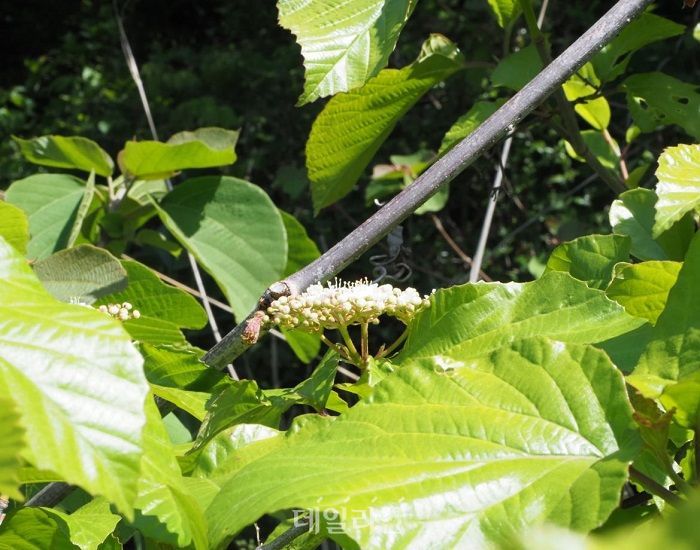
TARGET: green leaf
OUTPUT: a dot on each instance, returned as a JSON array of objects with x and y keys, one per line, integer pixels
[
  {"x": 66, "y": 152},
  {"x": 316, "y": 389},
  {"x": 517, "y": 69},
  {"x": 156, "y": 299},
  {"x": 669, "y": 368},
  {"x": 301, "y": 250},
  {"x": 552, "y": 419},
  {"x": 613, "y": 59},
  {"x": 591, "y": 258},
  {"x": 505, "y": 11},
  {"x": 34, "y": 529},
  {"x": 166, "y": 512},
  {"x": 78, "y": 381},
  {"x": 633, "y": 215},
  {"x": 643, "y": 288},
  {"x": 607, "y": 154},
  {"x": 203, "y": 148},
  {"x": 305, "y": 345},
  {"x": 83, "y": 209},
  {"x": 235, "y": 232},
  {"x": 192, "y": 402},
  {"x": 242, "y": 402},
  {"x": 12, "y": 437},
  {"x": 51, "y": 201},
  {"x": 178, "y": 368},
  {"x": 14, "y": 226},
  {"x": 656, "y": 99},
  {"x": 468, "y": 122},
  {"x": 352, "y": 126},
  {"x": 343, "y": 43},
  {"x": 486, "y": 316},
  {"x": 583, "y": 84},
  {"x": 81, "y": 274},
  {"x": 89, "y": 525},
  {"x": 678, "y": 188}
]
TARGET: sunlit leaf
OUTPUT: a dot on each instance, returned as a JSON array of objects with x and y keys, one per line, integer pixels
[
  {"x": 352, "y": 126},
  {"x": 467, "y": 123},
  {"x": 78, "y": 381},
  {"x": 14, "y": 226},
  {"x": 343, "y": 43},
  {"x": 536, "y": 431},
  {"x": 12, "y": 437},
  {"x": 505, "y": 11},
  {"x": 66, "y": 152},
  {"x": 678, "y": 188}
]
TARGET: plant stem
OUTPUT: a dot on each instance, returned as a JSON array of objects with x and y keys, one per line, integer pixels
[
  {"x": 566, "y": 111},
  {"x": 364, "y": 342},
  {"x": 395, "y": 344},
  {"x": 655, "y": 488},
  {"x": 354, "y": 355},
  {"x": 288, "y": 536},
  {"x": 441, "y": 172}
]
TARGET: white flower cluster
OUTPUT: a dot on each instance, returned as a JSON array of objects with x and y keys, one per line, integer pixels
[
  {"x": 342, "y": 304},
  {"x": 122, "y": 312}
]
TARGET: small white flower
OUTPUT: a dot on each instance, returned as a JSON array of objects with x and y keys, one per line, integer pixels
[
  {"x": 122, "y": 312},
  {"x": 342, "y": 304}
]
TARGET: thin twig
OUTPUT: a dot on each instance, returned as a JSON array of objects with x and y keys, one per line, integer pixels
[
  {"x": 440, "y": 173},
  {"x": 437, "y": 222},
  {"x": 655, "y": 488},
  {"x": 490, "y": 209},
  {"x": 136, "y": 77},
  {"x": 301, "y": 527}
]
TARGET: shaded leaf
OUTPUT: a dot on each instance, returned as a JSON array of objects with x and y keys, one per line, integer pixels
[
  {"x": 79, "y": 380},
  {"x": 643, "y": 288},
  {"x": 14, "y": 226},
  {"x": 613, "y": 59},
  {"x": 678, "y": 188},
  {"x": 305, "y": 345},
  {"x": 437, "y": 445},
  {"x": 235, "y": 232},
  {"x": 51, "y": 202},
  {"x": 352, "y": 126},
  {"x": 343, "y": 43},
  {"x": 33, "y": 529},
  {"x": 178, "y": 367},
  {"x": 84, "y": 274},
  {"x": 633, "y": 215},
  {"x": 607, "y": 154},
  {"x": 316, "y": 389},
  {"x": 89, "y": 525},
  {"x": 203, "y": 148},
  {"x": 66, "y": 152},
  {"x": 517, "y": 69},
  {"x": 656, "y": 99},
  {"x": 301, "y": 250},
  {"x": 486, "y": 316},
  {"x": 591, "y": 258}
]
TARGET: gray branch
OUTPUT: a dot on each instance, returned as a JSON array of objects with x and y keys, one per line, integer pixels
[{"x": 440, "y": 173}]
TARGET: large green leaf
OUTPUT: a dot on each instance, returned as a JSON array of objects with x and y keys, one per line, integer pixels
[
  {"x": 678, "y": 188},
  {"x": 505, "y": 11},
  {"x": 162, "y": 494},
  {"x": 643, "y": 288},
  {"x": 78, "y": 382},
  {"x": 178, "y": 367},
  {"x": 467, "y": 123},
  {"x": 51, "y": 201},
  {"x": 613, "y": 59},
  {"x": 66, "y": 152},
  {"x": 607, "y": 152},
  {"x": 12, "y": 437},
  {"x": 536, "y": 431},
  {"x": 81, "y": 274},
  {"x": 517, "y": 69},
  {"x": 235, "y": 232},
  {"x": 352, "y": 126},
  {"x": 656, "y": 99},
  {"x": 669, "y": 368},
  {"x": 34, "y": 529},
  {"x": 485, "y": 316},
  {"x": 345, "y": 42},
  {"x": 591, "y": 258},
  {"x": 14, "y": 226},
  {"x": 633, "y": 215},
  {"x": 203, "y": 148}
]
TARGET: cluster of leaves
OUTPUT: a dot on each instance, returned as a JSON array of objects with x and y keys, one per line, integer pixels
[{"x": 510, "y": 405}]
